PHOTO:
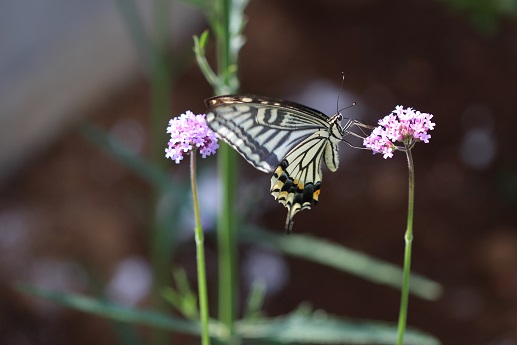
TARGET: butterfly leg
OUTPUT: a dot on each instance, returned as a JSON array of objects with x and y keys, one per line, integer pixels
[{"x": 357, "y": 124}]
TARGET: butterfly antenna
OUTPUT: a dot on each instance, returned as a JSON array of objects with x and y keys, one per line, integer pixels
[
  {"x": 347, "y": 107},
  {"x": 339, "y": 94}
]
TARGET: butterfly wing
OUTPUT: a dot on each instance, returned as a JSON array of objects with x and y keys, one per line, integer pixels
[
  {"x": 262, "y": 130},
  {"x": 287, "y": 138},
  {"x": 296, "y": 181}
]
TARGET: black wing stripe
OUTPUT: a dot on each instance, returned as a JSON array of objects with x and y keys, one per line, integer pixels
[
  {"x": 288, "y": 119},
  {"x": 262, "y": 145},
  {"x": 241, "y": 141}
]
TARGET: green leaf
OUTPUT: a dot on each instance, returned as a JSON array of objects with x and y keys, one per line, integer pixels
[
  {"x": 343, "y": 259},
  {"x": 255, "y": 300},
  {"x": 186, "y": 305},
  {"x": 203, "y": 40},
  {"x": 301, "y": 326},
  {"x": 204, "y": 66},
  {"x": 317, "y": 327},
  {"x": 141, "y": 166},
  {"x": 183, "y": 297},
  {"x": 201, "y": 4},
  {"x": 122, "y": 314}
]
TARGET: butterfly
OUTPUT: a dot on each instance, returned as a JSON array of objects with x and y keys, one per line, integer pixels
[{"x": 287, "y": 139}]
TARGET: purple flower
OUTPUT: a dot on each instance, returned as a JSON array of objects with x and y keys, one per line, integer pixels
[
  {"x": 188, "y": 132},
  {"x": 408, "y": 126}
]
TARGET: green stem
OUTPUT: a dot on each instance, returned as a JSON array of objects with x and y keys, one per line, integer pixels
[
  {"x": 226, "y": 233},
  {"x": 200, "y": 257},
  {"x": 227, "y": 239},
  {"x": 223, "y": 40},
  {"x": 407, "y": 254},
  {"x": 162, "y": 236}
]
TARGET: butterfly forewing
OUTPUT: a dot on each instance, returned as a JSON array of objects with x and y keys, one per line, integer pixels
[
  {"x": 261, "y": 130},
  {"x": 287, "y": 138}
]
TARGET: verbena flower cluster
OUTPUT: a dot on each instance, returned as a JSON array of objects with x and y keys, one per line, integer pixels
[
  {"x": 408, "y": 126},
  {"x": 188, "y": 132}
]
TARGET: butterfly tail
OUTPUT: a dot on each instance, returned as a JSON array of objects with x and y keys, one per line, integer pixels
[
  {"x": 289, "y": 222},
  {"x": 292, "y": 210}
]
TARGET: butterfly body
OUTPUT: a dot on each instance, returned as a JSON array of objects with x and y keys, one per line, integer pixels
[{"x": 285, "y": 138}]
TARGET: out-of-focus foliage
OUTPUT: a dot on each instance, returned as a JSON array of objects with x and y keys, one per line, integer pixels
[{"x": 485, "y": 15}]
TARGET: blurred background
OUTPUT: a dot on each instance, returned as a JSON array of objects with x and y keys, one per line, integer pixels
[{"x": 75, "y": 218}]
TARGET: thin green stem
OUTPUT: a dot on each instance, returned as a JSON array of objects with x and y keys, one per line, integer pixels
[
  {"x": 223, "y": 39},
  {"x": 161, "y": 236},
  {"x": 227, "y": 239},
  {"x": 407, "y": 253},
  {"x": 226, "y": 232},
  {"x": 200, "y": 257}
]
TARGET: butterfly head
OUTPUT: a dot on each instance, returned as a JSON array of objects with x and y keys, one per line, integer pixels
[{"x": 336, "y": 129}]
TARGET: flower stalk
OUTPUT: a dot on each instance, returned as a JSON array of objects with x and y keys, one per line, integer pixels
[
  {"x": 408, "y": 238},
  {"x": 409, "y": 127},
  {"x": 200, "y": 255},
  {"x": 189, "y": 132}
]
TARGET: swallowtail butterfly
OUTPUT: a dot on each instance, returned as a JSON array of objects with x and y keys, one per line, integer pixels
[{"x": 284, "y": 138}]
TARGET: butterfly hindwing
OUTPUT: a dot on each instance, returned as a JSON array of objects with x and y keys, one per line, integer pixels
[
  {"x": 283, "y": 137},
  {"x": 296, "y": 181}
]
